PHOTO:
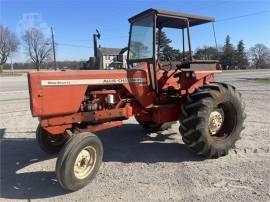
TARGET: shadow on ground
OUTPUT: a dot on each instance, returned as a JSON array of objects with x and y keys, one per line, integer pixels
[
  {"x": 16, "y": 154},
  {"x": 126, "y": 144},
  {"x": 129, "y": 143},
  {"x": 2, "y": 132}
]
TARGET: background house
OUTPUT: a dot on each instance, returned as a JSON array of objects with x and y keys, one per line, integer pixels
[
  {"x": 108, "y": 58},
  {"x": 112, "y": 58}
]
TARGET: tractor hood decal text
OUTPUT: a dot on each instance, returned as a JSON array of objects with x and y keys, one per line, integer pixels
[{"x": 92, "y": 81}]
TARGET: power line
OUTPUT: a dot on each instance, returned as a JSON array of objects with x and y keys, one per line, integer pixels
[
  {"x": 125, "y": 36},
  {"x": 242, "y": 16},
  {"x": 220, "y": 20},
  {"x": 102, "y": 39},
  {"x": 74, "y": 40},
  {"x": 74, "y": 45},
  {"x": 203, "y": 7},
  {"x": 117, "y": 37}
]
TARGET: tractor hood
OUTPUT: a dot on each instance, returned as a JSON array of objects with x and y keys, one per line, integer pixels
[{"x": 61, "y": 92}]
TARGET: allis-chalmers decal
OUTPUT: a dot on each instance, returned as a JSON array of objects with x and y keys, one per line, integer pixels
[{"x": 92, "y": 81}]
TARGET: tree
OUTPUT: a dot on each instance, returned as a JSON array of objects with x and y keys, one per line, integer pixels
[
  {"x": 38, "y": 48},
  {"x": 139, "y": 50},
  {"x": 228, "y": 57},
  {"x": 8, "y": 44},
  {"x": 167, "y": 53},
  {"x": 164, "y": 40},
  {"x": 260, "y": 55},
  {"x": 170, "y": 54},
  {"x": 241, "y": 56},
  {"x": 206, "y": 53}
]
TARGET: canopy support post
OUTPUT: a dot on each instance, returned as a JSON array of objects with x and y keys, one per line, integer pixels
[
  {"x": 159, "y": 33},
  {"x": 183, "y": 40},
  {"x": 189, "y": 42}
]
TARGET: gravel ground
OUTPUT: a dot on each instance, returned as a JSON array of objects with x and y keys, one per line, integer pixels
[{"x": 139, "y": 166}]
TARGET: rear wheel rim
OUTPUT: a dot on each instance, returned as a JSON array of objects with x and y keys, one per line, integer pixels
[
  {"x": 222, "y": 121},
  {"x": 215, "y": 122},
  {"x": 85, "y": 162}
]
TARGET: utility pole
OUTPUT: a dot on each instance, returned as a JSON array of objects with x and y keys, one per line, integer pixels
[
  {"x": 54, "y": 60},
  {"x": 95, "y": 37},
  {"x": 11, "y": 63}
]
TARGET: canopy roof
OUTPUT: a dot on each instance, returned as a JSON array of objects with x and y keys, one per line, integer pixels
[{"x": 173, "y": 19}]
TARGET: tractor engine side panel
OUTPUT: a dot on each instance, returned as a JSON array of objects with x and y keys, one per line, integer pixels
[
  {"x": 51, "y": 100},
  {"x": 60, "y": 93}
]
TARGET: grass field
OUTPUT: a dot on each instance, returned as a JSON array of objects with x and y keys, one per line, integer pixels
[
  {"x": 15, "y": 72},
  {"x": 263, "y": 80},
  {"x": 4, "y": 74}
]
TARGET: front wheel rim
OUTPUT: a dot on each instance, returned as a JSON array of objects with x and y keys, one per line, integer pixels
[{"x": 85, "y": 162}]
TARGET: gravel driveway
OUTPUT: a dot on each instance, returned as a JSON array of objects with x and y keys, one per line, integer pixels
[{"x": 139, "y": 166}]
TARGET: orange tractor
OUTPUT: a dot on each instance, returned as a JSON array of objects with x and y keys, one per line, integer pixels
[{"x": 72, "y": 105}]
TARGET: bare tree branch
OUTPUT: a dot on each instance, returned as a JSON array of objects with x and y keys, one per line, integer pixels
[
  {"x": 8, "y": 44},
  {"x": 38, "y": 48},
  {"x": 260, "y": 55}
]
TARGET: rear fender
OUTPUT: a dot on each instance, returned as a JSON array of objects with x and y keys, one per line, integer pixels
[{"x": 191, "y": 80}]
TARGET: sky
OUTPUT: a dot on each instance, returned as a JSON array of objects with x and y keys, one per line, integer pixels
[{"x": 74, "y": 22}]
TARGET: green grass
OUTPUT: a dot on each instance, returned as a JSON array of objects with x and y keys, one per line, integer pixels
[
  {"x": 2, "y": 74},
  {"x": 263, "y": 80}
]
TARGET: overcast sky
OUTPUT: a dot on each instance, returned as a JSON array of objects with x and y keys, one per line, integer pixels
[{"x": 75, "y": 21}]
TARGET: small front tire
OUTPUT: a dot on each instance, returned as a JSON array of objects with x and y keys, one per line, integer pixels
[
  {"x": 79, "y": 161},
  {"x": 48, "y": 143}
]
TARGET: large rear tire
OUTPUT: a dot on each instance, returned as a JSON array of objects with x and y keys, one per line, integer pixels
[
  {"x": 212, "y": 119},
  {"x": 79, "y": 161}
]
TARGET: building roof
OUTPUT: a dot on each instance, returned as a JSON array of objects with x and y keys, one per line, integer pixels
[
  {"x": 110, "y": 51},
  {"x": 173, "y": 19},
  {"x": 124, "y": 50}
]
